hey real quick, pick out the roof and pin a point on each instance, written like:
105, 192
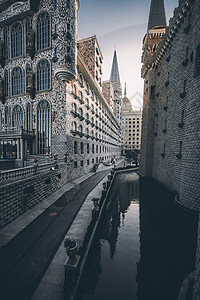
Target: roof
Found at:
157, 14
114, 77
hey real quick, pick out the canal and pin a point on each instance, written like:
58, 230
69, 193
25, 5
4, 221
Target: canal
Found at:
144, 247
112, 260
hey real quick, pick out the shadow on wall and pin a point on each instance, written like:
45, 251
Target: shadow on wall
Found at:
168, 243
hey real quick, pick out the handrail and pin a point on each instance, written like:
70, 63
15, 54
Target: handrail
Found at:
21, 172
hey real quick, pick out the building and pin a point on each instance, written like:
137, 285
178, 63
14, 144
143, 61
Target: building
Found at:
170, 133
131, 126
51, 89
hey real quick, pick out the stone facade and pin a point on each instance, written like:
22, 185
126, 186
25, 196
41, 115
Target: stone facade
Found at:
43, 77
170, 133
108, 92
20, 196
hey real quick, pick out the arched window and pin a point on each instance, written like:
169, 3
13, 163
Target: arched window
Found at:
74, 107
74, 126
74, 89
43, 31
92, 120
92, 133
17, 81
5, 43
80, 129
88, 148
87, 116
43, 75
80, 111
17, 117
43, 127
6, 122
6, 83
80, 95
28, 117
16, 40
82, 148
92, 148
75, 147
87, 131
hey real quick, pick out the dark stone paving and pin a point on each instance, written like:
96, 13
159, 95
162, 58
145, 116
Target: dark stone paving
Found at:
26, 257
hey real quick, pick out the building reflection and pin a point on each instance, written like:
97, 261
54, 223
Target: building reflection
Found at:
168, 244
125, 189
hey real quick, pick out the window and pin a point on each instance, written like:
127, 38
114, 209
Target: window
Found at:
88, 148
88, 162
68, 3
28, 28
16, 40
17, 81
43, 127
75, 164
82, 148
80, 129
43, 75
74, 127
82, 163
152, 95
75, 147
74, 107
92, 148
43, 31
97, 149
80, 112
17, 116
28, 117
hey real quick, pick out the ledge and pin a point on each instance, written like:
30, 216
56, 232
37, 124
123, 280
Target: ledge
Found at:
64, 74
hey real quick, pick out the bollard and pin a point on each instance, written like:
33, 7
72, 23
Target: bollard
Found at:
71, 265
95, 209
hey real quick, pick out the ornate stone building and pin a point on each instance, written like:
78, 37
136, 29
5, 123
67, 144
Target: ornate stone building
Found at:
131, 126
50, 91
170, 135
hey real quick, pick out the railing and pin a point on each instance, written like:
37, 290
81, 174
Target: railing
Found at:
16, 131
23, 172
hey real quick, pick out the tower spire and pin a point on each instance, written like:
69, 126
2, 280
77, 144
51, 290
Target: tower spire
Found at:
125, 90
157, 14
114, 77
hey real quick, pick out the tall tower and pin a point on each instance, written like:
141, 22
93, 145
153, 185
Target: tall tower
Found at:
155, 33
115, 81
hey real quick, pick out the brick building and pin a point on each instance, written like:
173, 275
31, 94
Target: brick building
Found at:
170, 134
131, 126
51, 89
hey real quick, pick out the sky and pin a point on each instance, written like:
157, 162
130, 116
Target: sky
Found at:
121, 25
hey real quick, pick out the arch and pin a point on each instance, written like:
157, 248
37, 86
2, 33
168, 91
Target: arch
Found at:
17, 81
43, 31
43, 75
43, 127
16, 40
17, 116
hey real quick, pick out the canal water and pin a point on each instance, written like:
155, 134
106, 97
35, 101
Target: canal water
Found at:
111, 268
144, 247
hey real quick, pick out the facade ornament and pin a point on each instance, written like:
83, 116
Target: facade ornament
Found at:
30, 48
31, 83
2, 59
2, 94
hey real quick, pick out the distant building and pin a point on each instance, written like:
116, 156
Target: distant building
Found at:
51, 90
131, 126
170, 146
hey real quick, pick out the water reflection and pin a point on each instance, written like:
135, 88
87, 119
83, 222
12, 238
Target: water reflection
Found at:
146, 258
168, 244
111, 268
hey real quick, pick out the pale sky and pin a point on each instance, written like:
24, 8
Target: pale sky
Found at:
122, 24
